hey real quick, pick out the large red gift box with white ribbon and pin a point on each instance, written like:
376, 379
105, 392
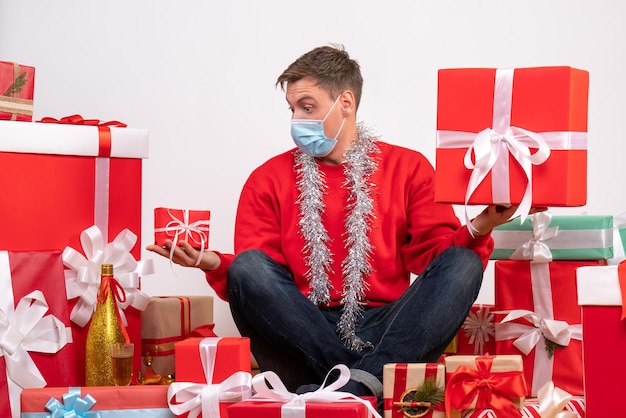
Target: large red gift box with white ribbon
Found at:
59, 179
602, 296
544, 322
524, 131
35, 339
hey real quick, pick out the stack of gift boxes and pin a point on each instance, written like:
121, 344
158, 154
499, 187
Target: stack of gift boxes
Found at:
518, 137
551, 341
72, 192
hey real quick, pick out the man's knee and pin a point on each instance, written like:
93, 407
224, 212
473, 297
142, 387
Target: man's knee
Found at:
254, 272
242, 268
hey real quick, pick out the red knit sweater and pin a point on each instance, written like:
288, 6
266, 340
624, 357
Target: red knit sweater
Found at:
409, 229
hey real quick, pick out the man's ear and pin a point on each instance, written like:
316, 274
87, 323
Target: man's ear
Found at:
348, 103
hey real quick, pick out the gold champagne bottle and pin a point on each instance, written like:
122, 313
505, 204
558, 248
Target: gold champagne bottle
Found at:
105, 329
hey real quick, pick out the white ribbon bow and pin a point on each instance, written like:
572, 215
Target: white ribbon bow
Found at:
491, 151
479, 327
535, 248
176, 227
197, 398
82, 280
295, 405
552, 400
527, 336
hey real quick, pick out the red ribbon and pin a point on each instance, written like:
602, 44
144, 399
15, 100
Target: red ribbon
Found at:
119, 295
104, 129
491, 390
621, 274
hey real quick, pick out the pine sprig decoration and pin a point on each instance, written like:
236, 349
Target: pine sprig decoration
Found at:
551, 347
17, 85
427, 392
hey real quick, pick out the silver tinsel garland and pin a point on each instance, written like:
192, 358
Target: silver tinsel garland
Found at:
359, 166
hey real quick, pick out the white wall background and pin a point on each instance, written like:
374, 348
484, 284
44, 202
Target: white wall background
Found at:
200, 74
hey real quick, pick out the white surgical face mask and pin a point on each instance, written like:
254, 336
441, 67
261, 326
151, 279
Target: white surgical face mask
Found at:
308, 134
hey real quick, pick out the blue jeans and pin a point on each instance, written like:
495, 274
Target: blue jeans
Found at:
298, 340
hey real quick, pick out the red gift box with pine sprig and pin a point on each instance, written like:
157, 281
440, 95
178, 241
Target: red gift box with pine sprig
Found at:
545, 326
17, 87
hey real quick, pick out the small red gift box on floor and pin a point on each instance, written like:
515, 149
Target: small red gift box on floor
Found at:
213, 357
36, 347
261, 409
168, 320
182, 225
545, 321
272, 400
602, 295
508, 136
222, 363
402, 380
149, 401
17, 87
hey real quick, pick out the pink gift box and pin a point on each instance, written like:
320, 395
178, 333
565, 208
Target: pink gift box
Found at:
601, 294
